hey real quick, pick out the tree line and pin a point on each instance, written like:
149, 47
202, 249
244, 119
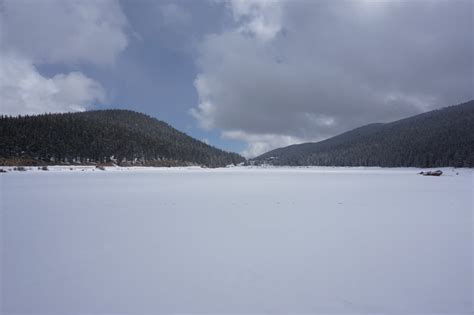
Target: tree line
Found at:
119, 136
438, 138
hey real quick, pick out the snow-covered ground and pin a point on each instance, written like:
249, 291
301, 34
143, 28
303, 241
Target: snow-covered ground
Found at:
236, 240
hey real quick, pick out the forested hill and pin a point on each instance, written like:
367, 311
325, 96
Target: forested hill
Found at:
121, 136
437, 138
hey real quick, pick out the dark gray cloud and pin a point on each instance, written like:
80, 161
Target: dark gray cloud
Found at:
304, 70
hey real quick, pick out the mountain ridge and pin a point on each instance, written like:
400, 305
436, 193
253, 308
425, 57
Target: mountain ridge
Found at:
442, 137
118, 136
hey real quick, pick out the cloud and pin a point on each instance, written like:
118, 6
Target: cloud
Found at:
24, 91
260, 143
66, 31
56, 32
261, 18
330, 66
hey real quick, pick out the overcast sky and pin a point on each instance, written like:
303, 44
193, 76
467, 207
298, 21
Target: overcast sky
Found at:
247, 75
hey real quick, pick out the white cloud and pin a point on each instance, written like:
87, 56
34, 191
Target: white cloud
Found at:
205, 113
56, 31
261, 143
66, 31
319, 68
24, 91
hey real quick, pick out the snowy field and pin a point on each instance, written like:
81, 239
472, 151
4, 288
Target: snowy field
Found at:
237, 240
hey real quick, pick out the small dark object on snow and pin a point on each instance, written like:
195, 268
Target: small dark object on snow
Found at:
2, 170
44, 168
432, 173
19, 168
100, 167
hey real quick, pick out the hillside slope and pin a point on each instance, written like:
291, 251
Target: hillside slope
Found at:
443, 137
123, 136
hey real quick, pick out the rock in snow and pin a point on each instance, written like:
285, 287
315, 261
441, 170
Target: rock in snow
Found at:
432, 173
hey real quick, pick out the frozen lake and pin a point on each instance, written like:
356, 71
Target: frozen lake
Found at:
320, 240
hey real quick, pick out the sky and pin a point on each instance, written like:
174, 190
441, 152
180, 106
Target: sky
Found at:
242, 75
